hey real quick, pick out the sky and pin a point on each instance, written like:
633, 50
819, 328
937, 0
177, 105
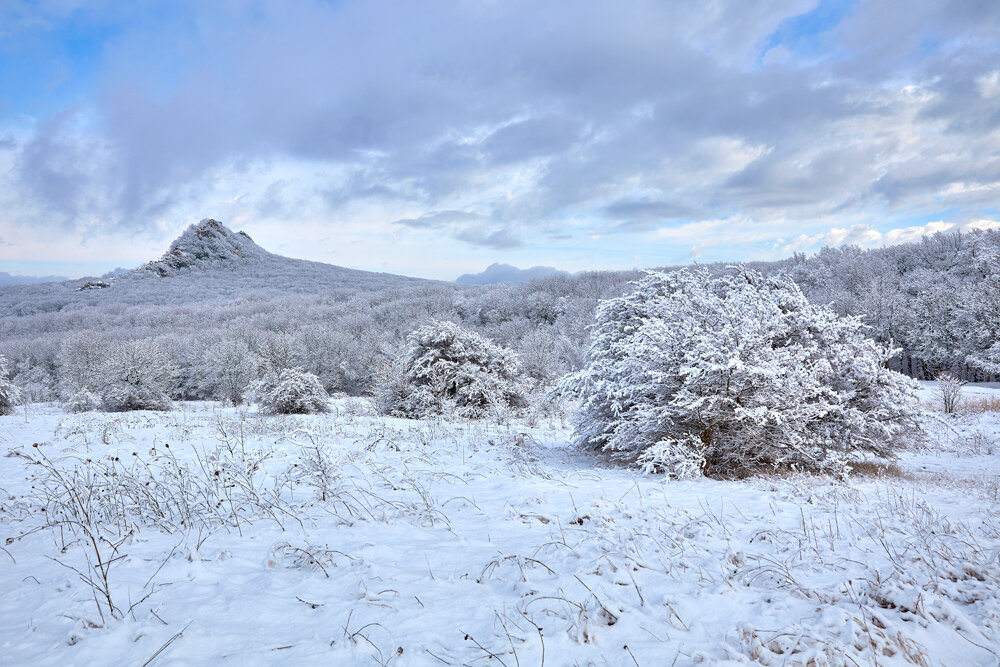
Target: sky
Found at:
435, 138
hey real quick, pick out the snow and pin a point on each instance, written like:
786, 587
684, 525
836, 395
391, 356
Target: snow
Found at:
446, 543
976, 390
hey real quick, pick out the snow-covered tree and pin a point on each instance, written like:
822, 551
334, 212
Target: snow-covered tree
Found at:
450, 369
83, 400
10, 395
546, 354
135, 375
948, 392
294, 392
79, 361
693, 374
229, 368
34, 381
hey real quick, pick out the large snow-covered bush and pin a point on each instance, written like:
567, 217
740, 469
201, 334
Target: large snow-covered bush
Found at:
692, 374
294, 392
448, 369
83, 400
9, 393
135, 375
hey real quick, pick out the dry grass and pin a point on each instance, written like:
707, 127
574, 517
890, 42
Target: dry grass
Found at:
878, 469
974, 405
977, 405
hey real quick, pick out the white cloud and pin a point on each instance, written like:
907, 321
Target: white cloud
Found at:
981, 223
989, 85
908, 234
541, 122
861, 235
865, 236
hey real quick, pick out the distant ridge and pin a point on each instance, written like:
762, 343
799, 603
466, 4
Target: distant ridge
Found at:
8, 279
497, 273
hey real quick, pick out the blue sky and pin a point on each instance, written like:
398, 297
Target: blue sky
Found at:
435, 138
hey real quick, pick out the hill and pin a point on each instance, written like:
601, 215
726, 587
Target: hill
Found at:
496, 274
214, 286
936, 299
8, 279
207, 261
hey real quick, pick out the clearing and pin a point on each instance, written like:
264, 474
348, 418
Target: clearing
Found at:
212, 535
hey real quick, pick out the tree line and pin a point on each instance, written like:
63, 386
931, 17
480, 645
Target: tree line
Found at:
937, 301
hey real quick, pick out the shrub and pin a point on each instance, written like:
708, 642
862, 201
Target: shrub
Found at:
692, 374
83, 400
948, 392
389, 386
295, 392
10, 395
448, 369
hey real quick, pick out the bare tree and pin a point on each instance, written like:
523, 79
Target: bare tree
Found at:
948, 392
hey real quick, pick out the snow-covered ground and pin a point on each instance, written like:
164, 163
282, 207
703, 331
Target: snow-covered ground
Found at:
352, 539
970, 392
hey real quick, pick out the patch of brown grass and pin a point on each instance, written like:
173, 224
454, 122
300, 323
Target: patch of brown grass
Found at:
975, 405
878, 469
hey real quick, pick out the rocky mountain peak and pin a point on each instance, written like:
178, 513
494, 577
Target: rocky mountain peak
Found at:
208, 243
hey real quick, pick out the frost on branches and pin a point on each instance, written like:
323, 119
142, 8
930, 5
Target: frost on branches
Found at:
295, 392
82, 400
135, 375
691, 374
448, 369
9, 393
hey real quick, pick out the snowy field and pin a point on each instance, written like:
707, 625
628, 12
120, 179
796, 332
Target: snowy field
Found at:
217, 536
971, 393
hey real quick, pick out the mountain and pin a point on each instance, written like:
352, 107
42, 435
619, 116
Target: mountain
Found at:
207, 267
216, 292
210, 259
505, 273
8, 279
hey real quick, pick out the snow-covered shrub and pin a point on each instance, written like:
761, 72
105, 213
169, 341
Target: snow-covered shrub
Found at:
294, 392
83, 400
135, 375
693, 374
948, 392
448, 369
10, 395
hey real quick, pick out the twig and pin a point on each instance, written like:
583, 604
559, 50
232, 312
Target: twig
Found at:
168, 643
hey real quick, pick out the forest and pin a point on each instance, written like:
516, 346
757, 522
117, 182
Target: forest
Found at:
217, 298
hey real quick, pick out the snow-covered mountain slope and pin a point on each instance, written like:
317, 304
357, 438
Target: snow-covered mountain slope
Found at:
206, 263
210, 251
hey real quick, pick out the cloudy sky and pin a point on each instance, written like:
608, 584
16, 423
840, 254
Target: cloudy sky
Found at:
434, 138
